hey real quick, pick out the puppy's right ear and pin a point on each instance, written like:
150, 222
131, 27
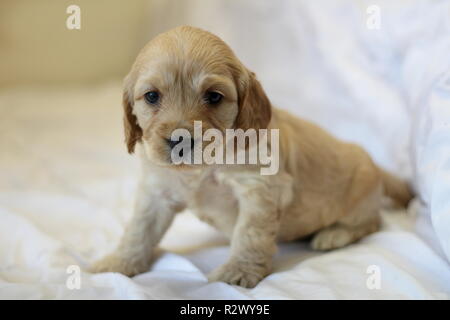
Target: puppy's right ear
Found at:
133, 132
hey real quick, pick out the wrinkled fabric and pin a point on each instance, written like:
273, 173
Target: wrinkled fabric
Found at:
67, 184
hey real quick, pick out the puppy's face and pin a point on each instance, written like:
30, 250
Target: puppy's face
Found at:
187, 75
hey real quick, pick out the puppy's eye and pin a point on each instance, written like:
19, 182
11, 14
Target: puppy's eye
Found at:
152, 97
213, 97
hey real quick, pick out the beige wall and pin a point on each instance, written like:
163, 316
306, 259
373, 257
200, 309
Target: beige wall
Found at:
36, 46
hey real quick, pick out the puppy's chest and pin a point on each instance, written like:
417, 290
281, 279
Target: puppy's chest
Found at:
211, 200
203, 186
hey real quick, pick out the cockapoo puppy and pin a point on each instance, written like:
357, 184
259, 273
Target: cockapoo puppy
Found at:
323, 187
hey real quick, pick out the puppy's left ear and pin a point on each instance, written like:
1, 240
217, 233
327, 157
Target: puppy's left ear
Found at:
133, 132
255, 110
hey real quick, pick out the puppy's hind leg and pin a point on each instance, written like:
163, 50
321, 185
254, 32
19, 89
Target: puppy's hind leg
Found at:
364, 219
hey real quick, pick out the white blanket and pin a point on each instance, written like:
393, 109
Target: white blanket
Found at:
67, 183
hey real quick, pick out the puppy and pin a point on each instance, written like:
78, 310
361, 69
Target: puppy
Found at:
324, 187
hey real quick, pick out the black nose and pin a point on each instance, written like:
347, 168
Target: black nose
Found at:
173, 143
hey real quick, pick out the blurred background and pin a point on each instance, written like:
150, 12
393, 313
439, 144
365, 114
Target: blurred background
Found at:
365, 70
38, 48
307, 55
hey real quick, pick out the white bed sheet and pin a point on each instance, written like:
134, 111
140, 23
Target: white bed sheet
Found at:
67, 183
66, 192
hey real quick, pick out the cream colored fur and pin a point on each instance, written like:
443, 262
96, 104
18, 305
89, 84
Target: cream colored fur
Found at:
325, 187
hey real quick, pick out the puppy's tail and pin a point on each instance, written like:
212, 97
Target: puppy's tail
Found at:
396, 189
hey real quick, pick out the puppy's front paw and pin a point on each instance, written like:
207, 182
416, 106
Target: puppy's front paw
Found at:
239, 274
116, 263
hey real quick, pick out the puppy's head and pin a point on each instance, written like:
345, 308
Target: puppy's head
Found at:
187, 75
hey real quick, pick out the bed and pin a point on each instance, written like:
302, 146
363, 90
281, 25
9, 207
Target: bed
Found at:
67, 184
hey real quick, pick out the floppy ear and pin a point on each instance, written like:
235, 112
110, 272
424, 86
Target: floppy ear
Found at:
133, 132
255, 109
